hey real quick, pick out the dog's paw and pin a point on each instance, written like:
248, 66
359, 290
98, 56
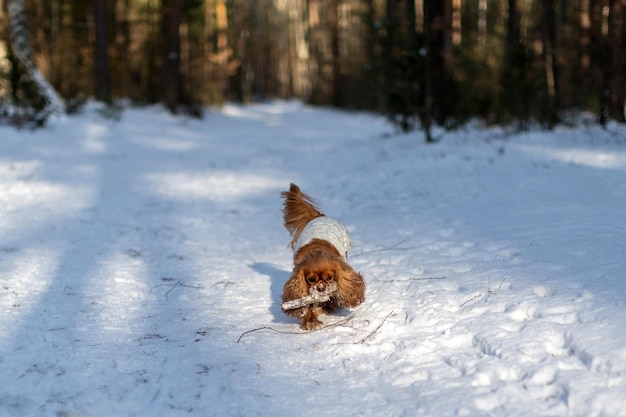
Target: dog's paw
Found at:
311, 324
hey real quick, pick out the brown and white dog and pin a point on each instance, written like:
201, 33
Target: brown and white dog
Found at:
320, 245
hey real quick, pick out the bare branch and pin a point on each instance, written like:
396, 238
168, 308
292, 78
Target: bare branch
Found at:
305, 301
258, 329
471, 299
313, 298
339, 323
177, 284
413, 279
375, 330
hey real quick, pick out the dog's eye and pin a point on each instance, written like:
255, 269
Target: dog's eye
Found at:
312, 279
329, 278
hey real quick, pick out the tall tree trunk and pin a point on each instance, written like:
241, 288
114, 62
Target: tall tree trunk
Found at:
513, 77
222, 51
584, 36
171, 79
122, 70
457, 29
336, 60
242, 78
4, 47
621, 62
47, 101
390, 42
482, 27
426, 115
613, 97
551, 63
55, 26
315, 53
299, 50
101, 62
513, 33
435, 24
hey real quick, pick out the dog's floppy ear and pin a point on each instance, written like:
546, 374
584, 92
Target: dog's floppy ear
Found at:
296, 286
350, 285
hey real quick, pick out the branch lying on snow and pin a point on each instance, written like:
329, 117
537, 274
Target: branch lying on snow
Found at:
339, 323
471, 299
258, 329
413, 279
489, 292
177, 284
375, 330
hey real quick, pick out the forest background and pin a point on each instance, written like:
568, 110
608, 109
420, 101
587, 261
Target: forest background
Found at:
422, 62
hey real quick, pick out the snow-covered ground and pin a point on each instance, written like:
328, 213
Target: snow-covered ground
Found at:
142, 262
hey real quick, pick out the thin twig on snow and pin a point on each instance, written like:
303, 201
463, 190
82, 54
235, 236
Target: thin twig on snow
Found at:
177, 284
375, 330
339, 323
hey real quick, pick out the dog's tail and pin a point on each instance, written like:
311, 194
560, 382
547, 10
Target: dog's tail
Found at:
298, 210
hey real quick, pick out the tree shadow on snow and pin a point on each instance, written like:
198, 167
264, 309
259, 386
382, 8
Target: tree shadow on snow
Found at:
278, 277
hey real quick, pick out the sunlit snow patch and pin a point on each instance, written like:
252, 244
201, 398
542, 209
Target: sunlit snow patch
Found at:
216, 186
585, 157
119, 290
23, 283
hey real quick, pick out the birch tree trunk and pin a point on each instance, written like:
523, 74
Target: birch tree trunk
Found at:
47, 102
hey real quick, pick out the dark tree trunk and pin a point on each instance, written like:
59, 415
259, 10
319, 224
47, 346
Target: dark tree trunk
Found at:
171, 79
370, 32
435, 74
612, 98
426, 115
513, 79
103, 81
551, 63
390, 42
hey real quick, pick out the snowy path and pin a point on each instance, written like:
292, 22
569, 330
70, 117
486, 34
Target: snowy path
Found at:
142, 262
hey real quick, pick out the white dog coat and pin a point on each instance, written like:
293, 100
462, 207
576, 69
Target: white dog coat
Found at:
327, 229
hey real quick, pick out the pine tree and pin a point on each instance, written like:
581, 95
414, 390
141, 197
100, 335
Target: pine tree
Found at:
41, 101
